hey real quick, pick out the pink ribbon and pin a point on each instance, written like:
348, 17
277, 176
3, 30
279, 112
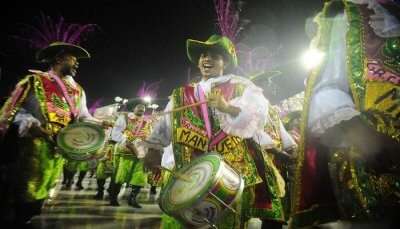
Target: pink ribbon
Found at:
71, 104
138, 127
216, 139
204, 111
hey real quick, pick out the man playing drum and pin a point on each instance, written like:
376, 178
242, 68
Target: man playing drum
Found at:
41, 105
235, 111
129, 130
104, 169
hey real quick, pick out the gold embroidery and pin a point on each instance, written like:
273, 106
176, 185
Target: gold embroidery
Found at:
192, 139
231, 145
63, 119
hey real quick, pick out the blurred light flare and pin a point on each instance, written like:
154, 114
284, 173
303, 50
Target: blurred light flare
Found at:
147, 99
312, 58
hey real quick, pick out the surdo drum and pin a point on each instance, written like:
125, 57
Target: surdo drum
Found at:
210, 189
81, 141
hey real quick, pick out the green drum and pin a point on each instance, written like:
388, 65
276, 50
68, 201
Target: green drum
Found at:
213, 187
81, 141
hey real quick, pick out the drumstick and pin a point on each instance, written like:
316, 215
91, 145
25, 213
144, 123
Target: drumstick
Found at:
181, 108
176, 174
222, 202
44, 130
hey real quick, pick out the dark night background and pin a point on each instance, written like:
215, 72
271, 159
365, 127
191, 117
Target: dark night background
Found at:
145, 40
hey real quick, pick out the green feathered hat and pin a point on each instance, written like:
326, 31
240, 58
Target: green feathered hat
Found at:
220, 44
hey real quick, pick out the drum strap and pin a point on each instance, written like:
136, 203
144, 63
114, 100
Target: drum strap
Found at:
138, 126
70, 102
216, 139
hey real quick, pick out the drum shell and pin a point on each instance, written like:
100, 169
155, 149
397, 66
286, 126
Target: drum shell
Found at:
227, 186
93, 152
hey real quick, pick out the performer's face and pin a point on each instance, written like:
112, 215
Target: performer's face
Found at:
68, 65
211, 64
139, 110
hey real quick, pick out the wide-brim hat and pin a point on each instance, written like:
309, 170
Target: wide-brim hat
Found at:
220, 44
48, 54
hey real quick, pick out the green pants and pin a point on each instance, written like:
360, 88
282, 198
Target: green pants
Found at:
129, 169
104, 169
139, 177
76, 166
39, 169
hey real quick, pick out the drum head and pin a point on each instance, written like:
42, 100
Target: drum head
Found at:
180, 194
79, 141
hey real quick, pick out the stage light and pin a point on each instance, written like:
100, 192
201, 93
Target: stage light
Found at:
312, 58
154, 106
147, 99
117, 99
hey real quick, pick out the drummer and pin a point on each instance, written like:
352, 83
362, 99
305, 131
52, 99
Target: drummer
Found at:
129, 130
104, 169
236, 109
41, 104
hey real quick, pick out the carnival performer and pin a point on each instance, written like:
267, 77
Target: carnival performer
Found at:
348, 161
129, 130
41, 104
69, 171
236, 111
279, 154
104, 168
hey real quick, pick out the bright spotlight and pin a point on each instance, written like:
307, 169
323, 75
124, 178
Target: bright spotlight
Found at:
147, 99
154, 106
312, 58
118, 99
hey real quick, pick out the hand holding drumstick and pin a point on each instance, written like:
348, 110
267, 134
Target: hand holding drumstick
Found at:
216, 100
152, 161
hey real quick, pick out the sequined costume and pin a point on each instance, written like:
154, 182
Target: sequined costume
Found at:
187, 132
37, 99
128, 168
359, 78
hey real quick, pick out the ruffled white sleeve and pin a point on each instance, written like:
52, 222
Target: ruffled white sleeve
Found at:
287, 140
84, 114
252, 117
117, 134
331, 102
168, 160
160, 137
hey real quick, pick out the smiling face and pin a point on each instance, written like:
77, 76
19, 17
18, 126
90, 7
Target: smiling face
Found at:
68, 64
211, 64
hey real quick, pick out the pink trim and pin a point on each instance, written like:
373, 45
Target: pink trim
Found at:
71, 104
216, 139
138, 127
204, 111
